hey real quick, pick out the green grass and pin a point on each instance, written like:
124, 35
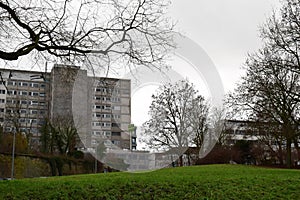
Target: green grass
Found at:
198, 182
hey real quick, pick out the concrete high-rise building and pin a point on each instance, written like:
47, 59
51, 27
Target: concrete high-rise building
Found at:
99, 107
24, 102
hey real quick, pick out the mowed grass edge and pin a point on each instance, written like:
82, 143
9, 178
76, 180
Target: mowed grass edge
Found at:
196, 182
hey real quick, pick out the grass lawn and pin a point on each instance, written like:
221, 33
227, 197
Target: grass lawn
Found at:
197, 182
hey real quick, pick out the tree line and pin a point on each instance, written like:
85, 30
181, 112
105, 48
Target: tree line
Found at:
139, 33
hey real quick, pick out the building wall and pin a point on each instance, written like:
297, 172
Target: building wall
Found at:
98, 107
24, 102
111, 112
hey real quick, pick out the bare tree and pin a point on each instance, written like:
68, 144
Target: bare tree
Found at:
281, 34
178, 118
198, 120
270, 91
269, 94
217, 123
135, 31
59, 136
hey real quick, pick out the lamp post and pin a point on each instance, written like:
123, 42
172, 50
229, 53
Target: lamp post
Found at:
14, 138
13, 156
96, 159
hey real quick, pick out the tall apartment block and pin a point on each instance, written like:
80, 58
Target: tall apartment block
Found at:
99, 107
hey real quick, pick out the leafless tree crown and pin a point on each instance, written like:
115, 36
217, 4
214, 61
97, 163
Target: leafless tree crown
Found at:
137, 31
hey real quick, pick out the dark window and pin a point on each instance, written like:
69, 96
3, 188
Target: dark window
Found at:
116, 134
115, 125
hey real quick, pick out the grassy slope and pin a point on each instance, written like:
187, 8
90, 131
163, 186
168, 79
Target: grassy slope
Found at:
198, 182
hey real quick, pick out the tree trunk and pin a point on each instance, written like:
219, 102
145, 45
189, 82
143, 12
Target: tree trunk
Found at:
297, 148
189, 159
289, 153
180, 161
280, 156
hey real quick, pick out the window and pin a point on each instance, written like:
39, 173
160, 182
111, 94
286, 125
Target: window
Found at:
34, 130
133, 140
103, 124
116, 116
2, 110
97, 107
41, 122
23, 130
34, 94
24, 84
24, 93
116, 142
34, 112
116, 99
99, 115
104, 90
116, 134
2, 91
107, 124
2, 82
117, 107
96, 124
2, 100
23, 102
22, 111
35, 85
107, 133
11, 83
96, 133
115, 125
33, 121
11, 92
34, 103
42, 112
94, 142
22, 120
43, 85
97, 98
116, 91
42, 103
42, 94
106, 107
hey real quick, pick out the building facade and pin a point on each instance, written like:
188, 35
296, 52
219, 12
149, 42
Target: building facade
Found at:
100, 108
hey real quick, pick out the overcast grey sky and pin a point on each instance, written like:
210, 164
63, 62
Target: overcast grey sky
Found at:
226, 29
